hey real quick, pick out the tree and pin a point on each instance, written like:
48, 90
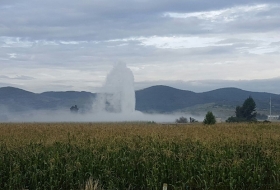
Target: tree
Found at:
238, 112
74, 109
249, 109
182, 120
209, 119
193, 120
247, 112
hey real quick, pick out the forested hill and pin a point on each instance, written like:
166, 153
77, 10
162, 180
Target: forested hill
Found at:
167, 99
153, 99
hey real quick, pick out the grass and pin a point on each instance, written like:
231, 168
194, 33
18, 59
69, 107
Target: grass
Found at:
139, 156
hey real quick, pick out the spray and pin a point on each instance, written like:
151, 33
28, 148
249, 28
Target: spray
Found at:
117, 94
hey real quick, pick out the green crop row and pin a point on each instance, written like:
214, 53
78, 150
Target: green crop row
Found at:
141, 162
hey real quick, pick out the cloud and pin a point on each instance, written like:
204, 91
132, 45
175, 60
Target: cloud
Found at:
21, 77
69, 45
100, 20
223, 15
263, 85
172, 42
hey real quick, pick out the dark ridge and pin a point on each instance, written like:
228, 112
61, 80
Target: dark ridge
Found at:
160, 99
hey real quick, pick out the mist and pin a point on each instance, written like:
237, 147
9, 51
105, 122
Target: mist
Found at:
67, 116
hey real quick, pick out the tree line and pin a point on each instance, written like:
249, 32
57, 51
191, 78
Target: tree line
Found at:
245, 113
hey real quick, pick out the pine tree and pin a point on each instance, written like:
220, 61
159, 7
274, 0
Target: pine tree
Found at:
209, 119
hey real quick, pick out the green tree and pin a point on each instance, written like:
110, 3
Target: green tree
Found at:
209, 119
239, 112
249, 109
246, 112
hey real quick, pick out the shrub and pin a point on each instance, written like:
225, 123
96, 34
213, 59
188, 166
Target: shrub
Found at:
193, 120
235, 119
182, 120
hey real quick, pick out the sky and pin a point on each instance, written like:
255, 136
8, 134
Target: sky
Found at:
197, 45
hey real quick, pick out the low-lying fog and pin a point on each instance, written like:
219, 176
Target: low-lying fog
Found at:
67, 116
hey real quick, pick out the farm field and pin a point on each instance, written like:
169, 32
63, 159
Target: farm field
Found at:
139, 156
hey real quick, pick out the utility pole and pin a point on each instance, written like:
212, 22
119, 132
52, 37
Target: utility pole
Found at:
270, 106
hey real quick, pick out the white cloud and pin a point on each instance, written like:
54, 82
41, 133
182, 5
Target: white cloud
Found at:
173, 42
10, 42
222, 15
180, 42
12, 55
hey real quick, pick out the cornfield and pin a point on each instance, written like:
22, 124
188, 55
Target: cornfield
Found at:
139, 156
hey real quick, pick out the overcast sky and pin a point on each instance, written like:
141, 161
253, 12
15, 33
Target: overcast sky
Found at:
199, 45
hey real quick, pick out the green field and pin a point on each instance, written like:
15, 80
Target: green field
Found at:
139, 156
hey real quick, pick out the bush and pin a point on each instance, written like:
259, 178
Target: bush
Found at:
235, 119
182, 120
209, 119
193, 120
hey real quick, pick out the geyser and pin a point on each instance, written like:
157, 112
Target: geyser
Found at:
118, 94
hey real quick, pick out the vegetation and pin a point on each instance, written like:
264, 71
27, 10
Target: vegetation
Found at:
185, 120
74, 109
209, 119
193, 120
247, 112
139, 156
182, 120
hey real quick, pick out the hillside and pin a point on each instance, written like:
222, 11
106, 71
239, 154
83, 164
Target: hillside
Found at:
167, 99
70, 98
14, 99
18, 100
160, 99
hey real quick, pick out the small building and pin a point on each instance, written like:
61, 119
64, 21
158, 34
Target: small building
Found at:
219, 120
272, 117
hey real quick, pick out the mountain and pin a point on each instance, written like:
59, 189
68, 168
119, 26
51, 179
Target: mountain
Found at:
167, 99
70, 98
17, 100
162, 99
